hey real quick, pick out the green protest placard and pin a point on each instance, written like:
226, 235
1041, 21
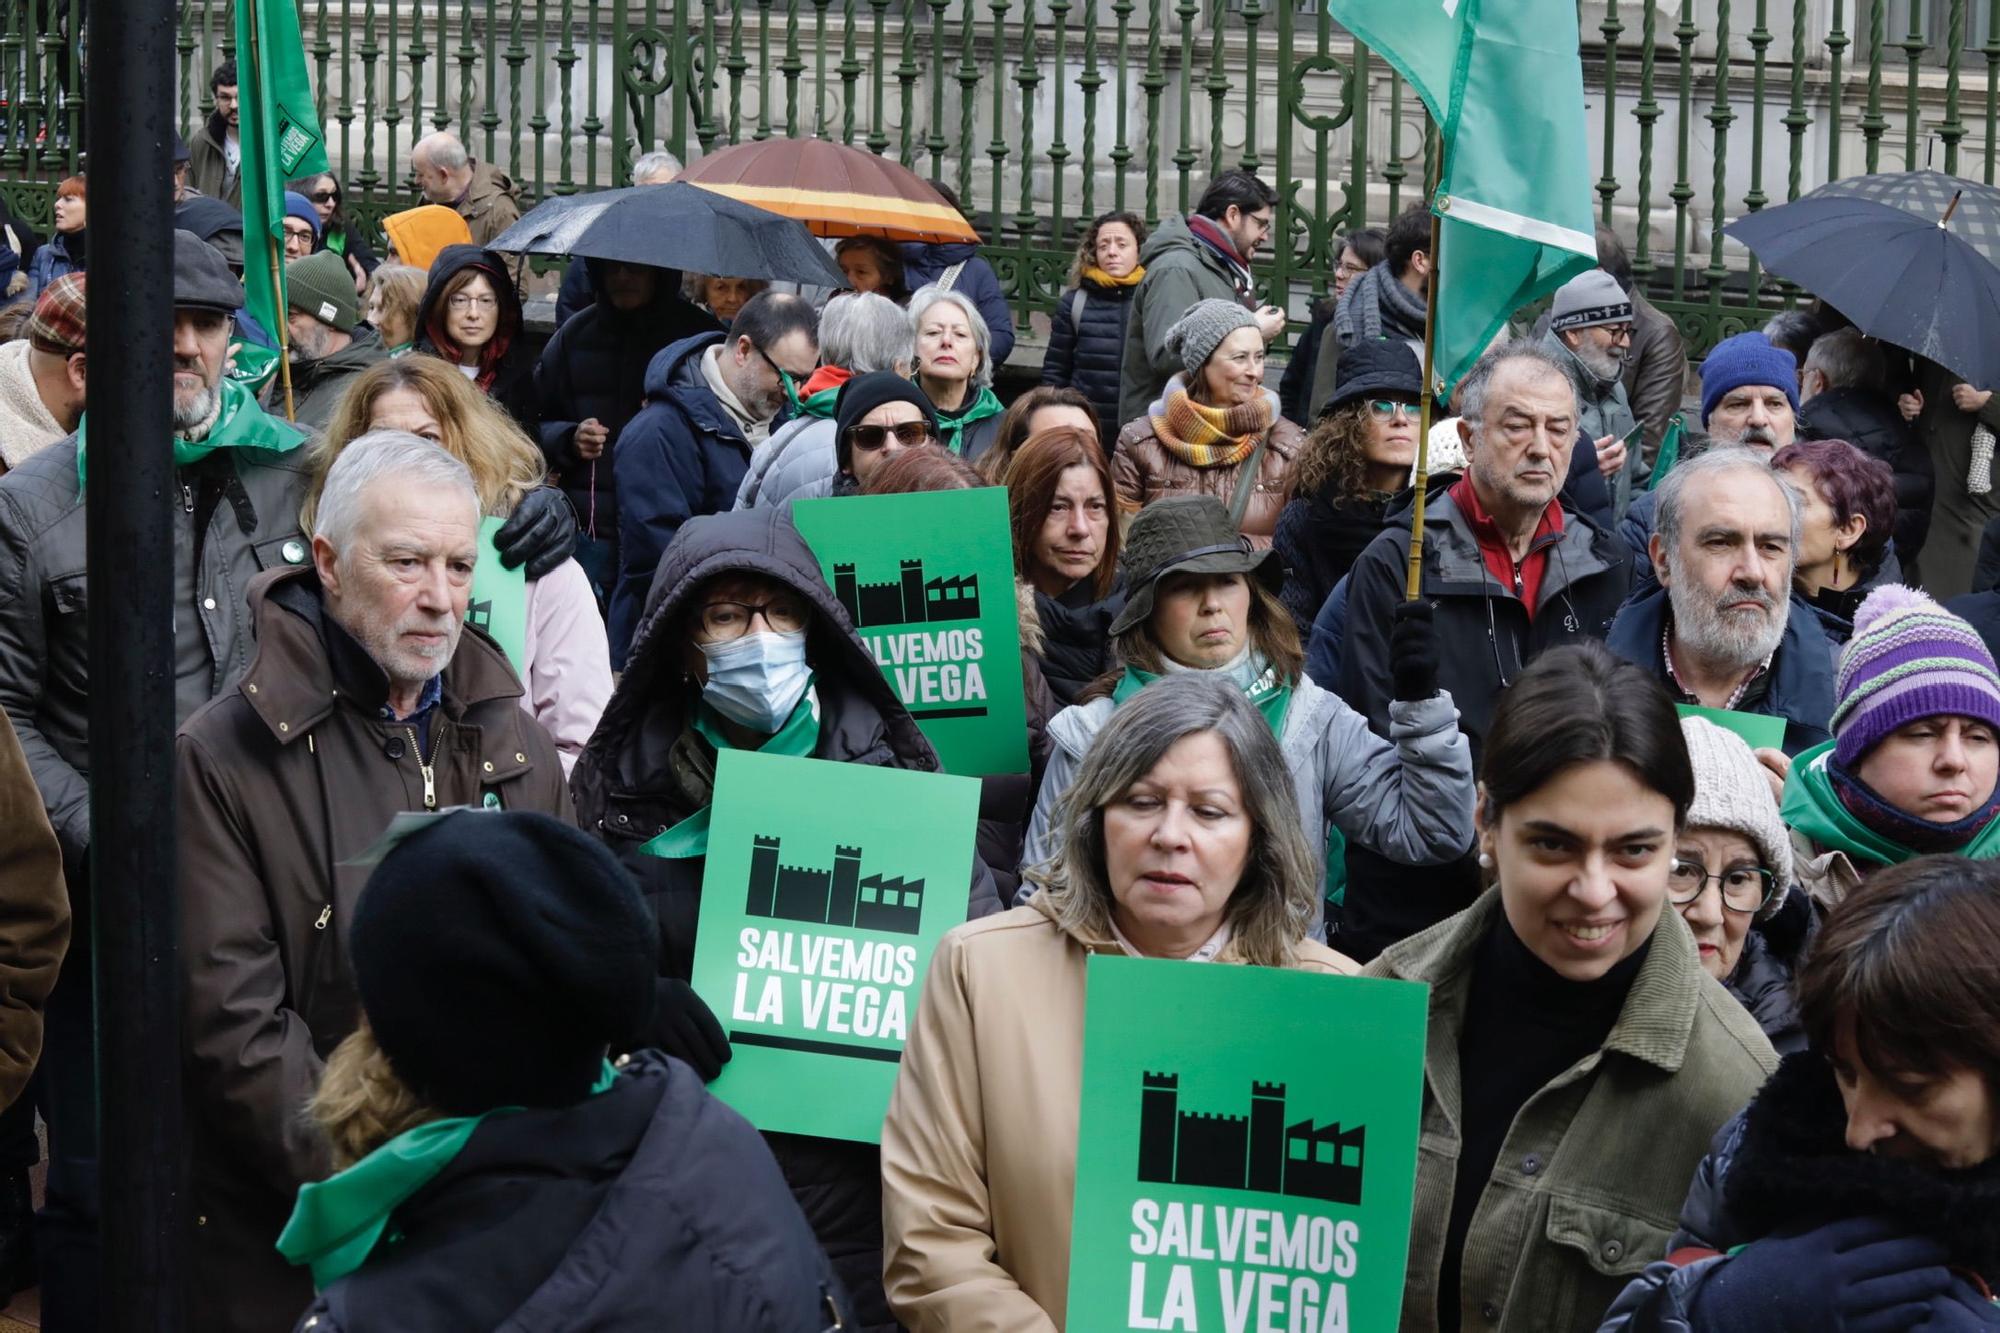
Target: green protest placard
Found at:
499, 603
1760, 731
827, 889
928, 581
1250, 1163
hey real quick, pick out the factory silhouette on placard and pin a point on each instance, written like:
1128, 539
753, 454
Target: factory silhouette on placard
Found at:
910, 600
842, 896
1254, 1152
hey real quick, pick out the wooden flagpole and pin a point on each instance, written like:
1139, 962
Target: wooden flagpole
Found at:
1414, 579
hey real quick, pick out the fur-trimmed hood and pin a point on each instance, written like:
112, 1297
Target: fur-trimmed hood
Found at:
1793, 1169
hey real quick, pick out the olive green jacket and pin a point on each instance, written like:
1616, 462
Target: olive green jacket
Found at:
1589, 1182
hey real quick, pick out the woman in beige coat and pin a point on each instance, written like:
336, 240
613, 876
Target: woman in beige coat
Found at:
1182, 840
1215, 430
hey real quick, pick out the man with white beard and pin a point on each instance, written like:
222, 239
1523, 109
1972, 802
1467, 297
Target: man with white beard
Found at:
1722, 630
1590, 336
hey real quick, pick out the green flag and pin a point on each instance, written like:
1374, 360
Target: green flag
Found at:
1504, 83
1670, 452
281, 141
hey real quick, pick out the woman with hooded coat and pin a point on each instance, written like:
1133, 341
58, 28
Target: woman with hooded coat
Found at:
1860, 1191
742, 646
471, 317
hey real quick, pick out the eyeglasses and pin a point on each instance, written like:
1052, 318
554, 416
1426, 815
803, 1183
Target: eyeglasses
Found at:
1382, 409
462, 303
723, 621
1618, 333
909, 434
1744, 888
325, 196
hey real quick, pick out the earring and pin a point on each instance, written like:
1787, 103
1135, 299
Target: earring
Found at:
1485, 861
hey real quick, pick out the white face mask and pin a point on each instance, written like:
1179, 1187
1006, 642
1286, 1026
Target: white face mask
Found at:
757, 680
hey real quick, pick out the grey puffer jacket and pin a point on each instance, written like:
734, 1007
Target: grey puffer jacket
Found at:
798, 456
239, 510
1410, 797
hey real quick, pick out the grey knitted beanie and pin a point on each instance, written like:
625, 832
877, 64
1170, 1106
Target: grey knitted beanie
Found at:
1198, 332
1732, 792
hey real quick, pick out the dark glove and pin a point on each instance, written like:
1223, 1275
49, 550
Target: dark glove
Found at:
685, 1027
1857, 1275
1413, 650
1962, 1309
540, 533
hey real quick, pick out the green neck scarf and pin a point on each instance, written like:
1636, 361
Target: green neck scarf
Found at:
821, 404
240, 424
1813, 808
1262, 686
951, 429
798, 738
338, 1222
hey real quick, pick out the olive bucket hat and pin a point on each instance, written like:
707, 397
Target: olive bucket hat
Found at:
1186, 534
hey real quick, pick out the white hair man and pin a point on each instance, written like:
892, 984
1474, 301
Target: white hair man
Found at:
367, 697
1722, 630
477, 191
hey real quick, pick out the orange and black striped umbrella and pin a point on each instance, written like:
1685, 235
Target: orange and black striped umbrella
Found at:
833, 189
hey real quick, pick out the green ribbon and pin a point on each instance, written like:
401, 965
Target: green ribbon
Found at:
337, 1223
1271, 697
798, 738
951, 430
241, 424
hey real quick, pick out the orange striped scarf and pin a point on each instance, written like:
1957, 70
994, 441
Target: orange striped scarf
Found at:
1203, 436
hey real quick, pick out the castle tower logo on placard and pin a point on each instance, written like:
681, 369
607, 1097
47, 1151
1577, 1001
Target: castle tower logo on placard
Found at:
1258, 1151
841, 896
910, 600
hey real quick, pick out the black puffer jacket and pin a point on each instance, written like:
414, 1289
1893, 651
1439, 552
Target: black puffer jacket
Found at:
1319, 540
1086, 353
1076, 637
595, 366
1870, 422
646, 769
512, 385
1783, 1166
650, 1197
1772, 953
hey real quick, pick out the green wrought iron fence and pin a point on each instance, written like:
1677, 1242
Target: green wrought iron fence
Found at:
1041, 113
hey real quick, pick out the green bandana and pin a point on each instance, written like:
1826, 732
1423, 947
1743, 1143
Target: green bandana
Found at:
241, 424
1271, 698
1813, 808
821, 404
951, 429
798, 738
337, 1223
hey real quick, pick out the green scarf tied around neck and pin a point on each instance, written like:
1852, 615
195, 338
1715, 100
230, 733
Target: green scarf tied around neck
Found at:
797, 739
338, 1222
951, 429
239, 424
1258, 681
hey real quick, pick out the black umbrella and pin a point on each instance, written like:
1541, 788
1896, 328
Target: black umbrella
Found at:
674, 226
1905, 279
1929, 195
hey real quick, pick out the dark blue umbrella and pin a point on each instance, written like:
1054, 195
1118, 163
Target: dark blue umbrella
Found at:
1908, 280
674, 226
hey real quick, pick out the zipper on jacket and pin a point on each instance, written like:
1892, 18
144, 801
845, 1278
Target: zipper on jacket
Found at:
430, 774
187, 497
325, 915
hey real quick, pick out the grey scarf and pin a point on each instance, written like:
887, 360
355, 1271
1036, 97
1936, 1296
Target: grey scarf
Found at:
1377, 305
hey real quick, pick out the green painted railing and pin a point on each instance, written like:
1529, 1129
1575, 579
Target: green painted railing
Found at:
1076, 106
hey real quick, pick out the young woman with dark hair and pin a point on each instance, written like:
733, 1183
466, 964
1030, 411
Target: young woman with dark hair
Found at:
1861, 1189
1087, 331
1579, 1059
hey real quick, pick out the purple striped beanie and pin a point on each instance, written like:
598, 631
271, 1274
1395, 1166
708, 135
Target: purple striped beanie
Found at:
1909, 659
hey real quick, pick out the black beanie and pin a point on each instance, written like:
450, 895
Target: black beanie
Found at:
497, 955
862, 395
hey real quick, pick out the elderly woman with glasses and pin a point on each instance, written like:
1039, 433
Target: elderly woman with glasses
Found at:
743, 647
1730, 880
1349, 472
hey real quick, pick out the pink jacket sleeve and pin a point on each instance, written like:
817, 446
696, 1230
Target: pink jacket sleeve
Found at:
568, 675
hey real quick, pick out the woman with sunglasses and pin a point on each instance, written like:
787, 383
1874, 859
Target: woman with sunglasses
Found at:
335, 234
1349, 472
1731, 882
743, 647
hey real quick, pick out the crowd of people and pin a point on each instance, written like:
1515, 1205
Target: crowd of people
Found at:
1673, 784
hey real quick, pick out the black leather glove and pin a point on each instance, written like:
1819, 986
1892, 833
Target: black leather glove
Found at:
1413, 650
686, 1028
540, 533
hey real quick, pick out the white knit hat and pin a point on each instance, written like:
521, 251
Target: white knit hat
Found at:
1732, 791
